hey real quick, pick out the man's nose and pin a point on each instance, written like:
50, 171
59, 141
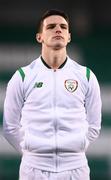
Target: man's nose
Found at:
58, 31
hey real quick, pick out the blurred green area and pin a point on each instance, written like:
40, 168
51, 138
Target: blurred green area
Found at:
9, 167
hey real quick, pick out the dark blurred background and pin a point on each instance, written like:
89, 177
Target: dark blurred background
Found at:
90, 46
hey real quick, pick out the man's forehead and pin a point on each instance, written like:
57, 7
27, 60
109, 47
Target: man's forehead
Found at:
54, 19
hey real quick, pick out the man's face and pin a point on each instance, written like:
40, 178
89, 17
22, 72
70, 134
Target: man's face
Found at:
55, 32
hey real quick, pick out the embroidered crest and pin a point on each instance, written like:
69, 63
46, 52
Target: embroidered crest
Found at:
71, 85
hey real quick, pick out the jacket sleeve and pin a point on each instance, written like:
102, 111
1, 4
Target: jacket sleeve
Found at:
13, 104
93, 106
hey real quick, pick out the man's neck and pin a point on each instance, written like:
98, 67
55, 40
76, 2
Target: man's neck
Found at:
54, 58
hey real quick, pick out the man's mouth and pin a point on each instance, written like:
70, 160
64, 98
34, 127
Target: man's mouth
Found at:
58, 37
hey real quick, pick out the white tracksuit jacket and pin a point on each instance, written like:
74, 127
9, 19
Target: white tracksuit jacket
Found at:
52, 116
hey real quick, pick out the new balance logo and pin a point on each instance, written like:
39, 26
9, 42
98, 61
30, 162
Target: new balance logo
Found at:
38, 84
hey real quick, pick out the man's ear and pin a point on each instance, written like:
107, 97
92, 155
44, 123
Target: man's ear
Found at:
38, 37
69, 39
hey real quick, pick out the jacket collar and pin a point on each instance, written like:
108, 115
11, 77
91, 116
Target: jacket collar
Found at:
61, 66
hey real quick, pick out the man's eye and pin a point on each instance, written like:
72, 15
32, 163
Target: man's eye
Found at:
50, 27
64, 27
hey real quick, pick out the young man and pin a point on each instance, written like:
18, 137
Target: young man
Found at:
52, 109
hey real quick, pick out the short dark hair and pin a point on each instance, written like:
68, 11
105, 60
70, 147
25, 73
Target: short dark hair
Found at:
50, 13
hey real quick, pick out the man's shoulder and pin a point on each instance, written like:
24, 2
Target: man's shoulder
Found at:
77, 64
30, 66
27, 70
81, 69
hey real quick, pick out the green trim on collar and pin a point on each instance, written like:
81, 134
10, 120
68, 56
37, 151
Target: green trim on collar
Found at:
22, 73
87, 73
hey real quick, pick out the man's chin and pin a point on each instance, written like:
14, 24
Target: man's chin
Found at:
58, 46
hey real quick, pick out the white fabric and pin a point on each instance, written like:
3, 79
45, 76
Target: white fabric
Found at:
52, 116
29, 173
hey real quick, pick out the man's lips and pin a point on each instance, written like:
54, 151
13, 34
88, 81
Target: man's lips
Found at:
58, 37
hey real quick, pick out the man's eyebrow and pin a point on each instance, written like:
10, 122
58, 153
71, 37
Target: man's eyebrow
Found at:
53, 24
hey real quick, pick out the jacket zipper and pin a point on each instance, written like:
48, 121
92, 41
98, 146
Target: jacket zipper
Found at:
55, 118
